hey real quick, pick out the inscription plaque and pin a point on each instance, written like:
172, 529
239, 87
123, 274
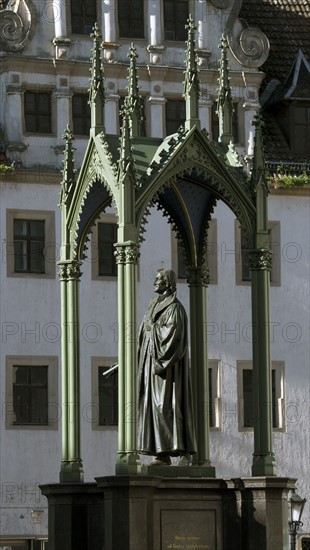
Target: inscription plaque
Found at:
188, 530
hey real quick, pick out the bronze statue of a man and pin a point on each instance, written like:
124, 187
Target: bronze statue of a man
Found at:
165, 412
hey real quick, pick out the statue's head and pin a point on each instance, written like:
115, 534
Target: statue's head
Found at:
169, 278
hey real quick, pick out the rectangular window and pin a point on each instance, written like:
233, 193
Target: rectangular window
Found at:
104, 415
83, 16
179, 260
304, 542
300, 132
246, 399
176, 14
31, 392
131, 18
29, 246
38, 112
175, 115
243, 272
107, 236
80, 114
108, 398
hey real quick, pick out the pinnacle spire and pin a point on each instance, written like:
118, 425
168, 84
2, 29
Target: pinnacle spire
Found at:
191, 83
68, 171
224, 101
96, 90
133, 100
259, 169
125, 160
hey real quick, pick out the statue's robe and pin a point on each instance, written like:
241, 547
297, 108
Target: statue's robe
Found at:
165, 409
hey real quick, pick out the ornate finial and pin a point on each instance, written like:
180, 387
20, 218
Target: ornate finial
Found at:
68, 171
96, 90
191, 83
224, 102
259, 169
133, 101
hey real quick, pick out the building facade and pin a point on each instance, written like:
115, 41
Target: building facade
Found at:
45, 66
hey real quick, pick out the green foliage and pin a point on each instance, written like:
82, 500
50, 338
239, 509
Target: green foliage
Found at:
6, 169
282, 179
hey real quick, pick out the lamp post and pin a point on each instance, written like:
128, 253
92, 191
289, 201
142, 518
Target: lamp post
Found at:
296, 509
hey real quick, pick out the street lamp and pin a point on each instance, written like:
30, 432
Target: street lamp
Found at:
296, 509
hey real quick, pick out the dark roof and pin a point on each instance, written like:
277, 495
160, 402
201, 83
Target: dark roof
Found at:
286, 23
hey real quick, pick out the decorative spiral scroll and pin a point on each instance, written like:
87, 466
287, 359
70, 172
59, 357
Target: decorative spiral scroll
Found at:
16, 27
251, 48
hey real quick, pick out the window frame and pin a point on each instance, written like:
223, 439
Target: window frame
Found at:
52, 390
293, 108
190, 6
144, 27
48, 217
97, 18
97, 362
212, 255
175, 100
104, 218
84, 118
39, 91
274, 228
28, 239
279, 368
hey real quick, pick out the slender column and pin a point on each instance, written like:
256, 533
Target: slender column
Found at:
60, 18
131, 252
112, 113
250, 111
127, 254
63, 96
71, 466
205, 106
154, 25
157, 108
197, 282
263, 457
120, 260
13, 112
108, 20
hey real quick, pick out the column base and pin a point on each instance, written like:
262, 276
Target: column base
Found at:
128, 464
264, 465
71, 472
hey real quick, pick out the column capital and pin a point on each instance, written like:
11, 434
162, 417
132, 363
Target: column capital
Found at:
198, 276
126, 253
70, 270
260, 259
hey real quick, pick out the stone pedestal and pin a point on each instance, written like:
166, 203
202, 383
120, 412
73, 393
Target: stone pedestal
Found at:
141, 512
75, 516
149, 513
